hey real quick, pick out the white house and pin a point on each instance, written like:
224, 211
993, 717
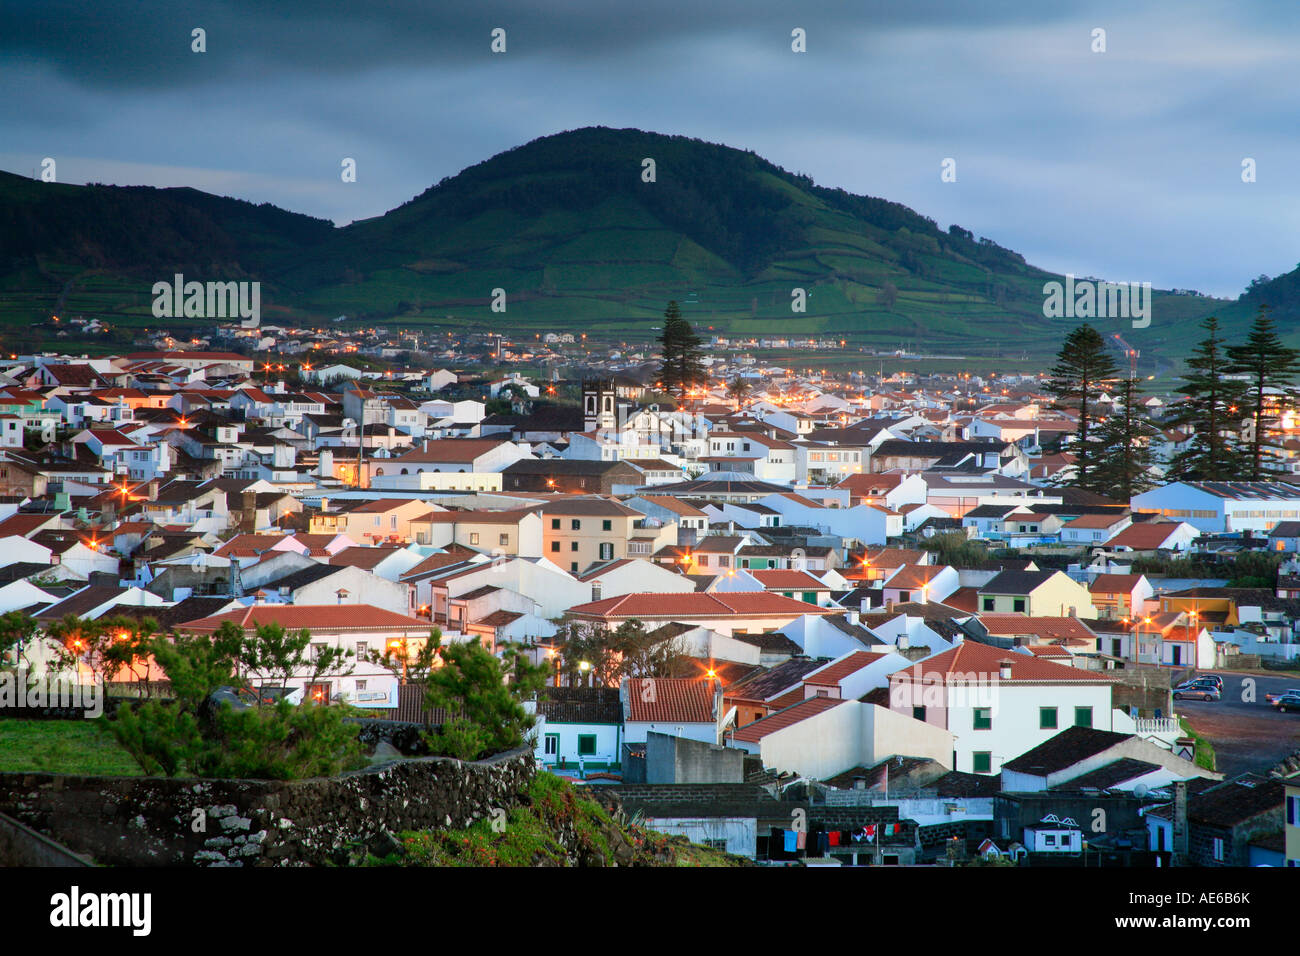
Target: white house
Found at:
999, 704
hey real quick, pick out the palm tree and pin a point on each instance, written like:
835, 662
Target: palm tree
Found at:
737, 389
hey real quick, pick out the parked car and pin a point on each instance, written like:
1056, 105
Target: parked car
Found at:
1198, 684
1203, 692
1288, 703
1289, 692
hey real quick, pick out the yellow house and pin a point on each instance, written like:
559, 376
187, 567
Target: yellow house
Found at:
579, 532
1036, 593
508, 533
1205, 605
370, 522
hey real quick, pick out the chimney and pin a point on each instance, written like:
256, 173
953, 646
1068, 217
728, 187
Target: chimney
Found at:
1004, 670
853, 618
902, 643
151, 490
859, 783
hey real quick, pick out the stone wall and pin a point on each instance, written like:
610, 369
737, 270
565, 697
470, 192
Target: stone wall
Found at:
156, 821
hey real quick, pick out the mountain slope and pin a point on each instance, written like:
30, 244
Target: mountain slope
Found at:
569, 229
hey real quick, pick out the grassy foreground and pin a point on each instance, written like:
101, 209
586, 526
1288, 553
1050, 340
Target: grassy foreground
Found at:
558, 826
62, 746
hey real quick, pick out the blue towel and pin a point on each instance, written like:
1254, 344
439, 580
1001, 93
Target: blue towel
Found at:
791, 841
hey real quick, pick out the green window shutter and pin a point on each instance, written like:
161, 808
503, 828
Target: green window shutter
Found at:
1047, 718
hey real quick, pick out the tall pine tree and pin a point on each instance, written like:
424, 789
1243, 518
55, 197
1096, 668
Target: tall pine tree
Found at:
1213, 412
1083, 370
1271, 368
1126, 435
680, 368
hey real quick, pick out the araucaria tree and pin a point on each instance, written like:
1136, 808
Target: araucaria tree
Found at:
1126, 470
680, 368
1083, 370
1270, 368
1212, 410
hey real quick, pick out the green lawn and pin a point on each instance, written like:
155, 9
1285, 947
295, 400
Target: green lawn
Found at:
62, 746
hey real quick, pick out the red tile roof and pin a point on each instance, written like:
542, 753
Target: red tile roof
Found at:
1046, 628
973, 661
837, 670
313, 617
1114, 583
698, 604
753, 733
780, 579
670, 699
1144, 536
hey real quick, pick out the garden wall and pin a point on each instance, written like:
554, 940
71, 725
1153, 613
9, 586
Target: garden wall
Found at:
156, 821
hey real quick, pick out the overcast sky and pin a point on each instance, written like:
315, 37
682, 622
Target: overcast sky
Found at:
1125, 164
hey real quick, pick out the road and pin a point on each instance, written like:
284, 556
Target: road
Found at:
1246, 731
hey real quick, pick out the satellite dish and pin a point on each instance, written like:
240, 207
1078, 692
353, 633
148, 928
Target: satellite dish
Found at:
1141, 790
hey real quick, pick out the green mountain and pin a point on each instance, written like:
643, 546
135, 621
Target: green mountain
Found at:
579, 241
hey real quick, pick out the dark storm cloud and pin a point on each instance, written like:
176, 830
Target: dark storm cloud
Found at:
147, 44
1124, 164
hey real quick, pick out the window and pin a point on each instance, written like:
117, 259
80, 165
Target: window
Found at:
606, 551
918, 713
555, 546
317, 650
552, 745
1018, 605
363, 649
904, 595
983, 718
573, 546
361, 685
555, 524
724, 560
586, 745
1049, 839
575, 525
1218, 849
982, 762
503, 540
1046, 718
1083, 716
988, 604
573, 567
607, 526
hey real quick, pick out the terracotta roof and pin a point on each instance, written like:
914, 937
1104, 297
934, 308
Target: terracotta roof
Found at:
834, 672
1144, 536
913, 577
1114, 583
313, 617
1045, 628
786, 580
974, 661
697, 604
753, 733
364, 558
670, 699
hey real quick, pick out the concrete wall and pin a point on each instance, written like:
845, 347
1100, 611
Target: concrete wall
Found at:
680, 760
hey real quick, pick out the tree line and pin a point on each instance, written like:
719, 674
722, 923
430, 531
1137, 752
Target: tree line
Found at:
1231, 417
